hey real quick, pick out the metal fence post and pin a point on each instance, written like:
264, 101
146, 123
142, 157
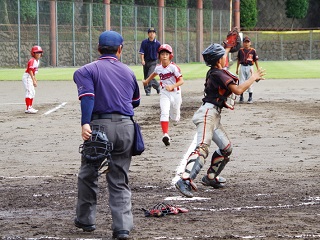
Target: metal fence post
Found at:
73, 35
150, 14
135, 34
311, 42
211, 27
19, 35
220, 25
281, 46
38, 23
175, 33
188, 35
90, 30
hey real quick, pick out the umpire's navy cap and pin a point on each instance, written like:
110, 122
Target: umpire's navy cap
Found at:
246, 39
152, 30
110, 38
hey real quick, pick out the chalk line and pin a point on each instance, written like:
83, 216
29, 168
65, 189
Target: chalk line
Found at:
55, 109
183, 161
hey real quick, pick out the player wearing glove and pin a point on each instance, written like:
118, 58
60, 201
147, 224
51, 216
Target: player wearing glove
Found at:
220, 85
232, 41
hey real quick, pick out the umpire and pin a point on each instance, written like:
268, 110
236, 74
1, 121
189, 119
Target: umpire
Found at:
149, 56
108, 91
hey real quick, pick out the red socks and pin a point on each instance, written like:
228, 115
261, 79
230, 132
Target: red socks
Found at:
29, 102
165, 127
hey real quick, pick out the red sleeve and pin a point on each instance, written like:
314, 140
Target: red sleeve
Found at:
30, 66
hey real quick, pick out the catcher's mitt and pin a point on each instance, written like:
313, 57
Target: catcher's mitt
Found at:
97, 148
162, 209
233, 40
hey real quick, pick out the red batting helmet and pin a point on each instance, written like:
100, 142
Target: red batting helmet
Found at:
167, 48
36, 49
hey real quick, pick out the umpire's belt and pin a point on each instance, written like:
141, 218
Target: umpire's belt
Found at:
114, 116
246, 64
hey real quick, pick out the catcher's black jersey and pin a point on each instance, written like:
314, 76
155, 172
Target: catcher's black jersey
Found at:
216, 89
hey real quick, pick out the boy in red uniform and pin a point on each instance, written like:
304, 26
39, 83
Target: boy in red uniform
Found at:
170, 91
29, 78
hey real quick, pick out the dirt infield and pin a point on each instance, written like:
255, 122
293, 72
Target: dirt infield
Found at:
273, 178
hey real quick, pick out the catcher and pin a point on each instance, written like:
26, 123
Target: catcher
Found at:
219, 92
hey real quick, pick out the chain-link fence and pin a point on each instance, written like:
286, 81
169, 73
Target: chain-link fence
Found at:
79, 24
286, 45
75, 26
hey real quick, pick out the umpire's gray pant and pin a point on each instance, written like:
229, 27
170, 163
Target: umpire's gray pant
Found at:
121, 134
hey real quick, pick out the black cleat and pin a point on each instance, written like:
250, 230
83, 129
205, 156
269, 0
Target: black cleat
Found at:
121, 235
166, 139
85, 228
217, 182
184, 187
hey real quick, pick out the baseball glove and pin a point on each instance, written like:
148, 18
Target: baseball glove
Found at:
97, 148
233, 40
163, 209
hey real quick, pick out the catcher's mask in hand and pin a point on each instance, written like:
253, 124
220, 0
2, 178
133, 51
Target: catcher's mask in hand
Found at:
98, 147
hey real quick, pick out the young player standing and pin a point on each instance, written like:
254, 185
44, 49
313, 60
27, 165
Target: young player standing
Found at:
29, 78
247, 56
170, 90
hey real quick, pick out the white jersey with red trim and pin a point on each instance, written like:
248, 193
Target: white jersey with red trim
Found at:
168, 75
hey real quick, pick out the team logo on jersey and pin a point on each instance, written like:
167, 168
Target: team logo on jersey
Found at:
165, 76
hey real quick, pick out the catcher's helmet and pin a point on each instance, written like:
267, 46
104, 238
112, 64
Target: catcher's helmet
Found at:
36, 49
213, 53
167, 48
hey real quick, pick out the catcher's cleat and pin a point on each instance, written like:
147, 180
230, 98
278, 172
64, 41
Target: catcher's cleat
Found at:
184, 187
85, 228
120, 235
166, 139
217, 182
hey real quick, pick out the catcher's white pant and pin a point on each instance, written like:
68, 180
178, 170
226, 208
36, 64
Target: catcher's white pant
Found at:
245, 74
28, 86
209, 128
170, 103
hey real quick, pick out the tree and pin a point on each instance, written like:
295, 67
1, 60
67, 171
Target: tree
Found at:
248, 14
296, 9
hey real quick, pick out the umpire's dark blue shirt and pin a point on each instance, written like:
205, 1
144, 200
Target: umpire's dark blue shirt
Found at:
111, 83
150, 49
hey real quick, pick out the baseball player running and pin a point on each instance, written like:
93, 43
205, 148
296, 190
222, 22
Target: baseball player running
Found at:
29, 78
170, 90
220, 85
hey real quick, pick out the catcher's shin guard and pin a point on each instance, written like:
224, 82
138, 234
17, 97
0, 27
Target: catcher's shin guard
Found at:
195, 162
219, 160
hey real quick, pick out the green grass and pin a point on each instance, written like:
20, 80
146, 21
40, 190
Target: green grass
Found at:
275, 70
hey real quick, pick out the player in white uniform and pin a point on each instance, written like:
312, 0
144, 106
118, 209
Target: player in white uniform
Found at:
29, 78
170, 90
